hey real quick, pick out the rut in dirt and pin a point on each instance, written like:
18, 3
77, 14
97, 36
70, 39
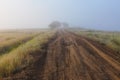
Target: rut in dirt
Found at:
72, 57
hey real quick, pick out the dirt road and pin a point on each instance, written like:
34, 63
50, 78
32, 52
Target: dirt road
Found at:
72, 57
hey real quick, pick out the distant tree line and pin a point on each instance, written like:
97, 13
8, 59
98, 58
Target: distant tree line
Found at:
57, 24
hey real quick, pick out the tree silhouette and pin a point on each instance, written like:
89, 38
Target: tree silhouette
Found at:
55, 24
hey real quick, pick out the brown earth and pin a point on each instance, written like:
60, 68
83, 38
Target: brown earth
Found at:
71, 57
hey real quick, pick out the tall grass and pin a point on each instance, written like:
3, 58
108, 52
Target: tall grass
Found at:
110, 39
10, 44
20, 58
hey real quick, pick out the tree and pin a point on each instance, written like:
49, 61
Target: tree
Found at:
65, 25
55, 24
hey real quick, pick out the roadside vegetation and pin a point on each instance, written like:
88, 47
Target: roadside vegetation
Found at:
110, 39
12, 41
19, 57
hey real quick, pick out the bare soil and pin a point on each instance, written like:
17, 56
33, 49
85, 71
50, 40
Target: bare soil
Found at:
71, 57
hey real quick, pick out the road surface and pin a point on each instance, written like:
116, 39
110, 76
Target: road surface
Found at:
71, 57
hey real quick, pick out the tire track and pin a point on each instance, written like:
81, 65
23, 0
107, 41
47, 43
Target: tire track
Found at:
72, 57
77, 59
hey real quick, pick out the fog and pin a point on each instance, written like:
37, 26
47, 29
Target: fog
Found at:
93, 14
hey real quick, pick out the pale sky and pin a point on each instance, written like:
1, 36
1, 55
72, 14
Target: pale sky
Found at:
93, 14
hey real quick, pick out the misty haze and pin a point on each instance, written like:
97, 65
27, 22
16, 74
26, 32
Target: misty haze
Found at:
59, 40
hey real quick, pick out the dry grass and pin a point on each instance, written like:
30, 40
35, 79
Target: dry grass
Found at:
13, 40
110, 39
19, 57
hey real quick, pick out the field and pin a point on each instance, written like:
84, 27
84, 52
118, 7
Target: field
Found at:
110, 39
16, 47
63, 54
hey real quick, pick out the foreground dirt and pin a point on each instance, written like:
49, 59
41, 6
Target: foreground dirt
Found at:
72, 57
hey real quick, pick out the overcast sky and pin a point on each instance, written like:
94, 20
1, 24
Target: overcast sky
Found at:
93, 14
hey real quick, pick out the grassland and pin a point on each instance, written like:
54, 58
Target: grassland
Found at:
16, 47
12, 40
110, 39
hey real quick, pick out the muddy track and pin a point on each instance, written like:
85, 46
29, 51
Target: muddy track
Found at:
72, 57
